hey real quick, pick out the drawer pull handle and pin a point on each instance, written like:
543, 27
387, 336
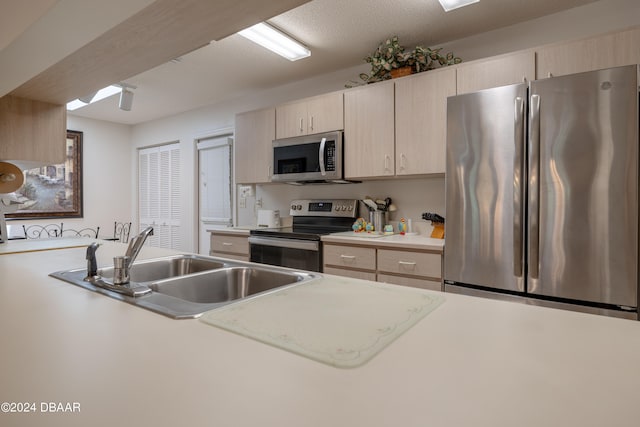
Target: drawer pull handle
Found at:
227, 244
348, 257
407, 264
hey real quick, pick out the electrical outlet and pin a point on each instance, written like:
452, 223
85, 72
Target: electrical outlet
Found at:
242, 203
246, 191
259, 203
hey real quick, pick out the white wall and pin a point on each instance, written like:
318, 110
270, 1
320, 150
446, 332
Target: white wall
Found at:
107, 178
412, 196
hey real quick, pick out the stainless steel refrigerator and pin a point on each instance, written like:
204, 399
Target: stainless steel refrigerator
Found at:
542, 192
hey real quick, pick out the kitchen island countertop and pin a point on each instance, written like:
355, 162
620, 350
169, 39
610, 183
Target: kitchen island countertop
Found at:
472, 362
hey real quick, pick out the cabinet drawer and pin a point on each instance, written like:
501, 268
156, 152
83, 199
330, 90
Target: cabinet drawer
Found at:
421, 264
229, 244
432, 285
354, 274
350, 257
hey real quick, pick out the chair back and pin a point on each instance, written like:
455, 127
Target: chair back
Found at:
42, 231
85, 232
121, 231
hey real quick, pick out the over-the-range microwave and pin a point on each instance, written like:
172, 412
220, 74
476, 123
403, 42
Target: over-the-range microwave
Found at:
309, 159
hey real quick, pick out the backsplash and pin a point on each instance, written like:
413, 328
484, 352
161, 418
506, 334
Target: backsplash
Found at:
412, 197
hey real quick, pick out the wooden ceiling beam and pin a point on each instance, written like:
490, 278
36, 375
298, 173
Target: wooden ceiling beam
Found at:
158, 33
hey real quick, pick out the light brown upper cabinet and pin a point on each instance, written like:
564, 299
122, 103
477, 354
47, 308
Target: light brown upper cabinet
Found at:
594, 53
369, 131
421, 121
497, 71
32, 131
255, 131
318, 114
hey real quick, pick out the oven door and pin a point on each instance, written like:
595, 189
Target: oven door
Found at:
292, 253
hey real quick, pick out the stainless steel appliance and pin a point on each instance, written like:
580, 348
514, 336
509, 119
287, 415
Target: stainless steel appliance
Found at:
309, 159
299, 246
542, 192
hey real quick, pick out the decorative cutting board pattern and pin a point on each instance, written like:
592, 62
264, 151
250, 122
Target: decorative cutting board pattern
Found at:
342, 322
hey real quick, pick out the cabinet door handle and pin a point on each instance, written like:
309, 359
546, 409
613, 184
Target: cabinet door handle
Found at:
227, 244
386, 162
403, 160
301, 129
311, 123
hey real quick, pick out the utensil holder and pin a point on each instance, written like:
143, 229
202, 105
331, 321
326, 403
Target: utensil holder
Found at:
379, 219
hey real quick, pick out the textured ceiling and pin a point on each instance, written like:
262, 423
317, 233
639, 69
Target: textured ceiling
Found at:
340, 33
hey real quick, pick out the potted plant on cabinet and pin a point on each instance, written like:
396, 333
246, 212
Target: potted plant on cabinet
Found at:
390, 60
389, 56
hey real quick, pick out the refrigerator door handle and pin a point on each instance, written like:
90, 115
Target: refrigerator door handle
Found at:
517, 185
534, 187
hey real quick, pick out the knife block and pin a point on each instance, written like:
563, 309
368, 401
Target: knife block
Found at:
438, 230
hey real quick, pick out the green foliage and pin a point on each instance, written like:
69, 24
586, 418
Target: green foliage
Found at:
390, 55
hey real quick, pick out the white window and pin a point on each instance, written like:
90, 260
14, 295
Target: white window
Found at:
159, 194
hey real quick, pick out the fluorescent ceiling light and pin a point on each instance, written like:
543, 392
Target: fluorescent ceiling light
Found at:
101, 94
270, 38
449, 5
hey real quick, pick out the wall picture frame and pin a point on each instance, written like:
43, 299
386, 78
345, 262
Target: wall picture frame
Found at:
53, 191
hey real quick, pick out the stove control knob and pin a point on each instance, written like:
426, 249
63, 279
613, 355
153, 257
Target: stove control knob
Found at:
293, 207
299, 207
343, 208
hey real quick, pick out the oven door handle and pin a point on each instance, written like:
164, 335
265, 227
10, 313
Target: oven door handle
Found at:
305, 245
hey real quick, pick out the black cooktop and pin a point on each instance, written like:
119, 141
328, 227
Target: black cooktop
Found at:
307, 228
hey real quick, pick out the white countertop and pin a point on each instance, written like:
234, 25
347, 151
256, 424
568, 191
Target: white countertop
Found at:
413, 241
407, 241
34, 245
471, 362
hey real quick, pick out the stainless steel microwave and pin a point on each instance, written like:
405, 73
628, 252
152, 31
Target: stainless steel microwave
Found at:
308, 159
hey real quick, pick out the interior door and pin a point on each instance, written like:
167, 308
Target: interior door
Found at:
584, 214
215, 188
159, 195
484, 188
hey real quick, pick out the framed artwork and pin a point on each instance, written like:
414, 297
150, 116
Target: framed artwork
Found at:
53, 191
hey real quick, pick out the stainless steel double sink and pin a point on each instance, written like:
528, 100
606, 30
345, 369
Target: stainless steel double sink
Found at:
185, 286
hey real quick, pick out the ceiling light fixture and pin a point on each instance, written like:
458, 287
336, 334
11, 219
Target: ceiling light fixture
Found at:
86, 100
270, 38
124, 89
126, 97
449, 5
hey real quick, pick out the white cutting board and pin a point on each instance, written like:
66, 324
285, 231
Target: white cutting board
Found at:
342, 322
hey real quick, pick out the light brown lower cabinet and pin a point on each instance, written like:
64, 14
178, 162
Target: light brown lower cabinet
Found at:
415, 268
229, 245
